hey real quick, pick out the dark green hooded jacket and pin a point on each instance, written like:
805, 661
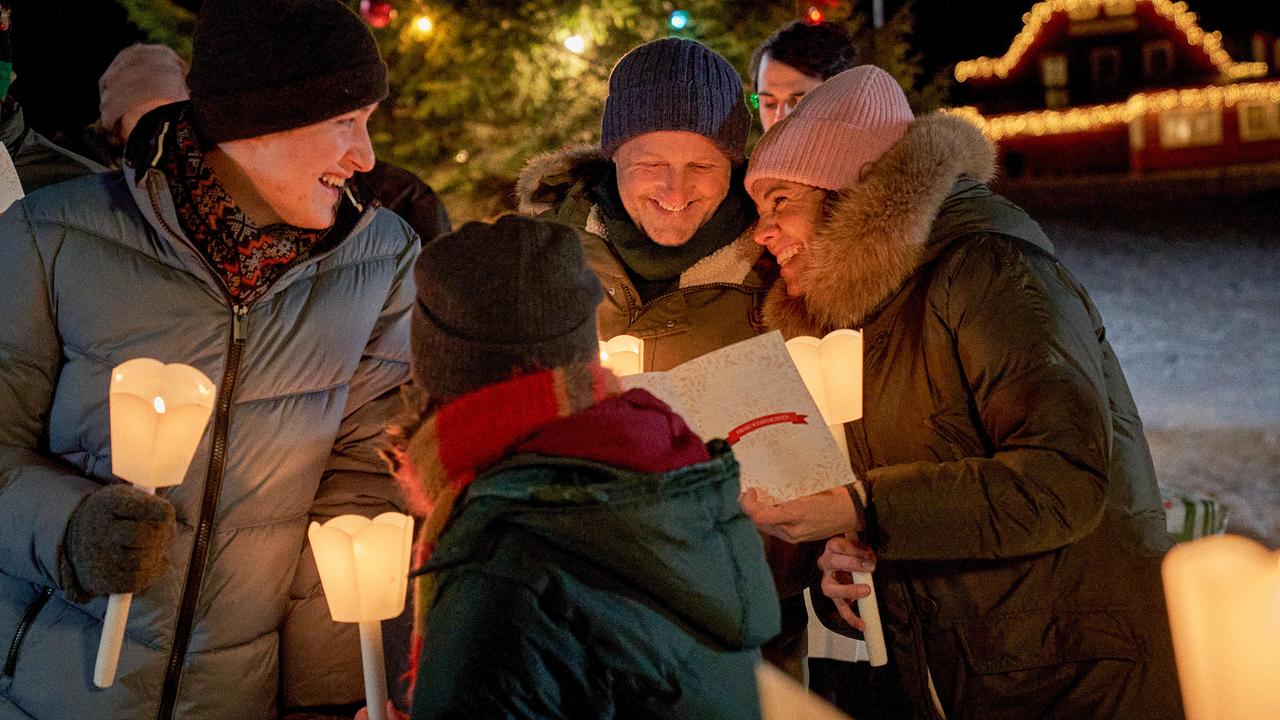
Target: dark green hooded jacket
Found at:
1013, 504
571, 589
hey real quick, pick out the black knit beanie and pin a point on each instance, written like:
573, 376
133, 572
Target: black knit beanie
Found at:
675, 84
263, 66
495, 301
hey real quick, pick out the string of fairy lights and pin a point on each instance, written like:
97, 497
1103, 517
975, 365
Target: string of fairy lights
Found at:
380, 13
1040, 14
1095, 117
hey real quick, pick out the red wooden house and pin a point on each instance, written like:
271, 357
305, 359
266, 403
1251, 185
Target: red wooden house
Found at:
1122, 85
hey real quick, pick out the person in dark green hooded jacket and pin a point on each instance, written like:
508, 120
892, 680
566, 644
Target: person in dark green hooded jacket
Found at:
1010, 498
584, 553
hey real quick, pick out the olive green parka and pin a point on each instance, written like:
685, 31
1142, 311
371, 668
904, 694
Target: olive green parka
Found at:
1012, 501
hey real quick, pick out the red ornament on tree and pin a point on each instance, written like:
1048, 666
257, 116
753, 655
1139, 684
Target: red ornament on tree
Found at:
378, 13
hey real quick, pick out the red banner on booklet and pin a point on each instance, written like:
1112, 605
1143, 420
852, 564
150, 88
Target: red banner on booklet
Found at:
764, 421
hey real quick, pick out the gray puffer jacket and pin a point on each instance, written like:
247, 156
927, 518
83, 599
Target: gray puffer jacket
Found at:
95, 272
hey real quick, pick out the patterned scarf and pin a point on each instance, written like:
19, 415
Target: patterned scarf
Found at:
247, 258
435, 461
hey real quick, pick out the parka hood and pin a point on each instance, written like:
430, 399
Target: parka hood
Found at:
925, 192
545, 181
549, 179
680, 538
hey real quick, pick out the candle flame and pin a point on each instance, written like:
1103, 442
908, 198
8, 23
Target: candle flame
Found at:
159, 404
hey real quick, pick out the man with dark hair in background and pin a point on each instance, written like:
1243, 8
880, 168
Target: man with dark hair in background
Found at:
795, 59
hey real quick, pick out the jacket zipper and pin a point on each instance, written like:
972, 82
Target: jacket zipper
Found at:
213, 477
28, 619
204, 528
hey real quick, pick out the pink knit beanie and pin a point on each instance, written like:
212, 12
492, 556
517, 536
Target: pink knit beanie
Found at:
139, 75
838, 128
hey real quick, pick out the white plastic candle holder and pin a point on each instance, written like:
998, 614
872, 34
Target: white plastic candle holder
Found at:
364, 568
1223, 593
623, 354
832, 371
158, 416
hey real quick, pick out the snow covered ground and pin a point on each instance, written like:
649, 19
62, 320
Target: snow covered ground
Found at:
1186, 273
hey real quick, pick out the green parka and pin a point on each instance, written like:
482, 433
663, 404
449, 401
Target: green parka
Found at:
571, 589
1013, 504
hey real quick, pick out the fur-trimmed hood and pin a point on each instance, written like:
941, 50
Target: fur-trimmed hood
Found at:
878, 232
548, 179
545, 181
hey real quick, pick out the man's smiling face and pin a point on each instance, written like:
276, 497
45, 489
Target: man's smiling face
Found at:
671, 182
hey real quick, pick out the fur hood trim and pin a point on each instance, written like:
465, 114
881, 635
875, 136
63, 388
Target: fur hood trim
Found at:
546, 179
876, 233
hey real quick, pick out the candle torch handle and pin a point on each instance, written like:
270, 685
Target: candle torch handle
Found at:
113, 624
375, 677
869, 611
868, 608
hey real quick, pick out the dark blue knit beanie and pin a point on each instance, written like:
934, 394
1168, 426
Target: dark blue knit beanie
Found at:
675, 84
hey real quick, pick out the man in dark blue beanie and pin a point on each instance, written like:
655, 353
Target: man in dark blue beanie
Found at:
232, 241
661, 198
666, 219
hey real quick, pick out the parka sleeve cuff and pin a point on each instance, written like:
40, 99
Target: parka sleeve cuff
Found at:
35, 505
865, 508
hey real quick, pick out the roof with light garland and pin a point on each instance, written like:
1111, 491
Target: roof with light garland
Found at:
1042, 12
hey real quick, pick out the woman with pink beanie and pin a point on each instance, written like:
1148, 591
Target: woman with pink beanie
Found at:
1010, 501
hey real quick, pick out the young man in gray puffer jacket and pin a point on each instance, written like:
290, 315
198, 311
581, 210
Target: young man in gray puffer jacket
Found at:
232, 241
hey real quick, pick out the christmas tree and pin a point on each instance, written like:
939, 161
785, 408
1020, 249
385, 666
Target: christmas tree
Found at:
480, 86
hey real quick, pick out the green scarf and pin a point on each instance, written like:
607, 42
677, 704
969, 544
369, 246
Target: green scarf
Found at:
649, 263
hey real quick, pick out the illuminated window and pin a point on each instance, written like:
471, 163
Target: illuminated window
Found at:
1190, 127
1122, 8
1053, 70
1055, 98
1258, 44
1157, 59
1259, 120
1083, 12
1104, 64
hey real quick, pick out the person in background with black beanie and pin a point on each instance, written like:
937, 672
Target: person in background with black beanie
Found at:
405, 194
233, 241
583, 553
38, 161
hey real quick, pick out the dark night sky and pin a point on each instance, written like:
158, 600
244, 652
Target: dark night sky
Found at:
62, 46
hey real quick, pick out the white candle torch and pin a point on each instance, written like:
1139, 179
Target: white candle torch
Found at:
364, 568
1223, 594
158, 415
623, 354
832, 371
